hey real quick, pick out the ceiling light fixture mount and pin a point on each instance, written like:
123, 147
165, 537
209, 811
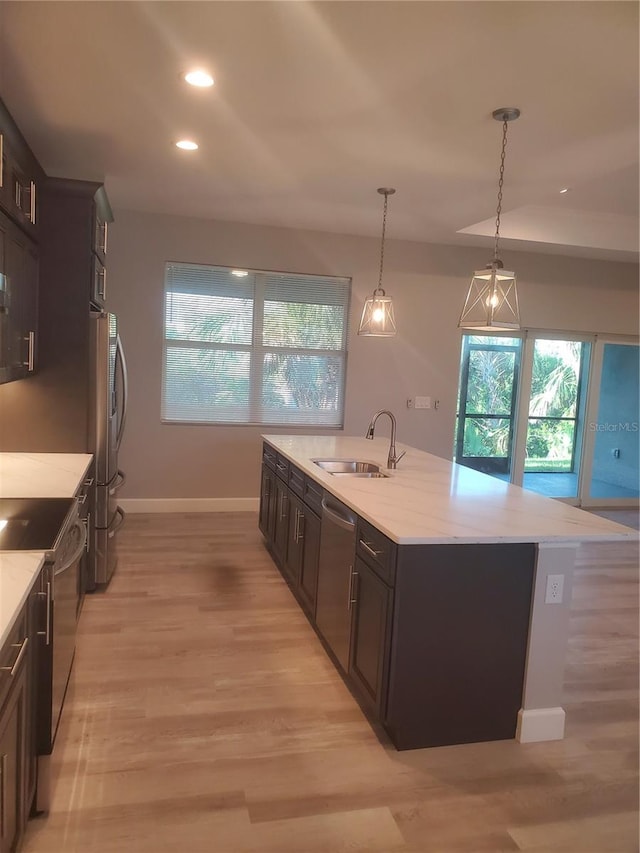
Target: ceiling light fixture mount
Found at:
492, 300
377, 320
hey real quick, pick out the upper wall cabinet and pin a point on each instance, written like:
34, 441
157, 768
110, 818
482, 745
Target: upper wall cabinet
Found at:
20, 176
75, 220
20, 179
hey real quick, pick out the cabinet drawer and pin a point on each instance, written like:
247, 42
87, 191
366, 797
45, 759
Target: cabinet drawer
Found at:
296, 480
377, 551
313, 494
282, 467
269, 456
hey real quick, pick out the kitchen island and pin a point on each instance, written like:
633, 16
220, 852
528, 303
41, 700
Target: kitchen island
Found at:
447, 610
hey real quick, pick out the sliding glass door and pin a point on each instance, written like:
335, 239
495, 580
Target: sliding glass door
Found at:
487, 403
556, 414
613, 438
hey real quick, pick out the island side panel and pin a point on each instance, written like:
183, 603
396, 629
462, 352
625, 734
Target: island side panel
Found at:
460, 628
542, 716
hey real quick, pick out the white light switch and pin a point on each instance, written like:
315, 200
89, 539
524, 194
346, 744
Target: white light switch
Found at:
423, 402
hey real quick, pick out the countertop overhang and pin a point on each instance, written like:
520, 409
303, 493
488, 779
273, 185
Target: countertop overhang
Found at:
429, 500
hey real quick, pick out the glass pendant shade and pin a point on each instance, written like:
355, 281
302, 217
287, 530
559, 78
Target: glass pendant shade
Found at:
377, 316
492, 301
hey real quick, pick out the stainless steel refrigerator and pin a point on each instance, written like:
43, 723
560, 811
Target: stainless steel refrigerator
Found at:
108, 396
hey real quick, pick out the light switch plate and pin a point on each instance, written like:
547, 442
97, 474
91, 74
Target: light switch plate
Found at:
423, 402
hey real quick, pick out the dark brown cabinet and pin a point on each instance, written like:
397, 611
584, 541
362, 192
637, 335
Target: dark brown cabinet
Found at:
290, 524
281, 523
308, 578
295, 540
370, 634
267, 515
17, 745
18, 302
431, 638
20, 178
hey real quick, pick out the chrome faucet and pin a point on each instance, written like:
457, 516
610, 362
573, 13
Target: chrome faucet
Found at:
392, 460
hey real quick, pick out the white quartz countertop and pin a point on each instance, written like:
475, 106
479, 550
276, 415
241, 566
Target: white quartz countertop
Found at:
42, 475
18, 571
429, 500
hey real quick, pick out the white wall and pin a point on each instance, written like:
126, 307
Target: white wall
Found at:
428, 284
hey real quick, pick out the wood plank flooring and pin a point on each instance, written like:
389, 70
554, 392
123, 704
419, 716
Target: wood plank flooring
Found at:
204, 717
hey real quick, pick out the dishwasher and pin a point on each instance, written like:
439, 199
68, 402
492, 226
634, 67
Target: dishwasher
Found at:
336, 577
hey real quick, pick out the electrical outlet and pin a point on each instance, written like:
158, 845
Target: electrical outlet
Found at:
410, 403
555, 588
423, 402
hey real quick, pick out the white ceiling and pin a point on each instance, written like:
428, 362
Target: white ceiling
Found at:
318, 104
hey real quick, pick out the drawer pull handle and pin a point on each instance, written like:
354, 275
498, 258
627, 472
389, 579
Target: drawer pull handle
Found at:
369, 549
47, 632
23, 648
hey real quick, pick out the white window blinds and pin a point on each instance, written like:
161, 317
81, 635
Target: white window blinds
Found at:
254, 348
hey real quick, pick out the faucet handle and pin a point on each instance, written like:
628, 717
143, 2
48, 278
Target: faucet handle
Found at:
398, 458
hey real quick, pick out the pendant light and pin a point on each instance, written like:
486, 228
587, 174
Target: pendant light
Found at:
377, 315
492, 301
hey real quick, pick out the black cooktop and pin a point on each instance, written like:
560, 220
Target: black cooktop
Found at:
32, 524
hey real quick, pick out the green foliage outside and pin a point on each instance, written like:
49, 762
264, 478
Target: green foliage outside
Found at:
296, 362
554, 394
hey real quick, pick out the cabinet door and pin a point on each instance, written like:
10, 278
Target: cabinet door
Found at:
266, 498
295, 543
12, 755
308, 583
281, 523
21, 271
370, 634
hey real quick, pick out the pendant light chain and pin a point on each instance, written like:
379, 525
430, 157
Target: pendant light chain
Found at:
384, 228
500, 185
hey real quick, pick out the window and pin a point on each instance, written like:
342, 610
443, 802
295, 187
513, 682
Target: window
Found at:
253, 347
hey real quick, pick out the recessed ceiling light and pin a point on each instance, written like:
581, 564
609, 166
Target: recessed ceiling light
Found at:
199, 78
565, 189
239, 273
187, 145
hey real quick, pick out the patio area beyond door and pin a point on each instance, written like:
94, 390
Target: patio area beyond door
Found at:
537, 410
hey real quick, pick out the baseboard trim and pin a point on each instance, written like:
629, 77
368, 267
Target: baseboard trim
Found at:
540, 724
135, 505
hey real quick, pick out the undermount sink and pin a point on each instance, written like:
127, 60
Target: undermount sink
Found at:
350, 468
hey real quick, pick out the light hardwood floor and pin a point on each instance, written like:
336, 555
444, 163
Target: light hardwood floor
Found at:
203, 715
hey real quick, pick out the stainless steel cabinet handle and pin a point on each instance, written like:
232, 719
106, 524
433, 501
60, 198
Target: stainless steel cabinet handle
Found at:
1, 159
47, 631
298, 534
369, 549
18, 194
354, 588
82, 499
283, 499
103, 292
106, 231
88, 482
3, 794
23, 648
350, 599
32, 200
30, 362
